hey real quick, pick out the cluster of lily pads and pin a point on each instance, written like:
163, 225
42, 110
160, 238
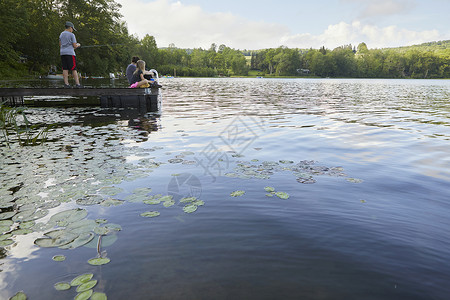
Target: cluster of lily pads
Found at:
84, 287
304, 171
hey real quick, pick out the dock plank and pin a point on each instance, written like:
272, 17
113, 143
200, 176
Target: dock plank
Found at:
85, 92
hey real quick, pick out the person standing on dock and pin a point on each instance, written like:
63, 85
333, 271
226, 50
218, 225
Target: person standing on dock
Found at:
131, 68
67, 45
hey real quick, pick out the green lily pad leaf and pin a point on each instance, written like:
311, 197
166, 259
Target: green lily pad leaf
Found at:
166, 198
19, 296
111, 190
30, 215
169, 203
6, 223
111, 202
152, 201
84, 295
4, 228
101, 230
101, 221
113, 227
282, 195
237, 193
199, 202
86, 286
354, 180
7, 215
190, 208
6, 242
188, 199
6, 204
59, 258
27, 225
62, 286
269, 189
89, 200
83, 278
99, 296
135, 198
99, 261
270, 195
68, 216
82, 226
22, 231
150, 214
59, 241
81, 240
286, 161
142, 191
5, 236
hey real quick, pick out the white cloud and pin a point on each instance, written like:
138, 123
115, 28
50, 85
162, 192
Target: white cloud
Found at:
356, 32
189, 26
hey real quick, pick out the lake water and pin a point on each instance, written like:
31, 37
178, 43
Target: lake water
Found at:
365, 163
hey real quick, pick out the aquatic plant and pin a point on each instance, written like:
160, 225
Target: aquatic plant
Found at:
13, 120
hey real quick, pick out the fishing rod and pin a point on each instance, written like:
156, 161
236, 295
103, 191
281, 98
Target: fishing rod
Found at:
96, 46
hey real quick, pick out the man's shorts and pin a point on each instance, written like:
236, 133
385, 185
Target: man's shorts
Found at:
69, 62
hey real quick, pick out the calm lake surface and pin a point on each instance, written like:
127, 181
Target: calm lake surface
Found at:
365, 163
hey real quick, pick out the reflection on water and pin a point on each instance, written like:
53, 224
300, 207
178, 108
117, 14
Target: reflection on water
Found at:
365, 164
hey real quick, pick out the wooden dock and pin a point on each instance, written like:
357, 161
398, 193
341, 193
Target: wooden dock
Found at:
143, 99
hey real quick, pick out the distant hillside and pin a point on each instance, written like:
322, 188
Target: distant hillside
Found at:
431, 46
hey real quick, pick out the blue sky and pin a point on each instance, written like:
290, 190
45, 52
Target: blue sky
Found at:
262, 24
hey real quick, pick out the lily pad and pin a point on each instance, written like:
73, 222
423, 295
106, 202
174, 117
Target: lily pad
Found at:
22, 231
269, 189
190, 208
111, 202
188, 199
142, 191
237, 193
101, 230
59, 258
150, 214
19, 296
68, 216
111, 190
6, 242
83, 278
7, 215
6, 223
59, 241
86, 286
4, 228
99, 261
354, 180
282, 195
62, 286
81, 240
113, 227
169, 203
84, 295
99, 296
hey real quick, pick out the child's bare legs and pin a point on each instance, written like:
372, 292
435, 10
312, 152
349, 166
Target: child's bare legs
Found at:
66, 77
75, 77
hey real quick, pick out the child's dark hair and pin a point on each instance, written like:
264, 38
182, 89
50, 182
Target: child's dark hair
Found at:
135, 59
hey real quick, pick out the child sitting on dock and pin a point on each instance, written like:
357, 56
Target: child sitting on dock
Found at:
138, 79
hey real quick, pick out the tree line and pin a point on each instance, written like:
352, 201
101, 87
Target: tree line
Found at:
431, 61
30, 31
